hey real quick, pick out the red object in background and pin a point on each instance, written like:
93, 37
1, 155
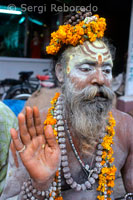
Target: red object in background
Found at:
42, 77
35, 46
44, 81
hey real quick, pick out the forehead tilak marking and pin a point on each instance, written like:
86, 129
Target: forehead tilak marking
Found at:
99, 58
101, 52
98, 47
87, 53
108, 57
88, 49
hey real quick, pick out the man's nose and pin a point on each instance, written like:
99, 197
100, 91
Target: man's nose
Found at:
98, 78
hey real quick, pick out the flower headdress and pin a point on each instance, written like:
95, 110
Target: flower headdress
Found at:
73, 32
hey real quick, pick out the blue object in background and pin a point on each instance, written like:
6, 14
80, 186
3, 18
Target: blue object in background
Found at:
15, 105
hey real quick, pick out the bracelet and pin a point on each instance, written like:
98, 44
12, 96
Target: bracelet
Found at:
129, 196
28, 191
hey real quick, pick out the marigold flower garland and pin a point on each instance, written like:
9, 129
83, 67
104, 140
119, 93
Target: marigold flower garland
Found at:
74, 35
50, 120
107, 175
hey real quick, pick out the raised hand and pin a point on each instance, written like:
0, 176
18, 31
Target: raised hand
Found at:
39, 151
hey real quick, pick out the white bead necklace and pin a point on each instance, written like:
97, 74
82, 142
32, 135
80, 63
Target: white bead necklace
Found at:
91, 173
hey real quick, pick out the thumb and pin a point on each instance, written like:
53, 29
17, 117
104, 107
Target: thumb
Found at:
49, 135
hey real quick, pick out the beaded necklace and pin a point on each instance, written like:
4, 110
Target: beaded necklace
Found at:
104, 169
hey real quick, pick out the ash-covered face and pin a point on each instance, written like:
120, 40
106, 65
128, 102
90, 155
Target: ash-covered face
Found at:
88, 97
89, 64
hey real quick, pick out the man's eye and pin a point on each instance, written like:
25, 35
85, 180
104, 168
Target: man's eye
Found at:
107, 71
84, 69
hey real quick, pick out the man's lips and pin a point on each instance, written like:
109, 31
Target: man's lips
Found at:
100, 94
98, 97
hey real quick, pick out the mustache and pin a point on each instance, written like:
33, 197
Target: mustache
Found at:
92, 93
100, 92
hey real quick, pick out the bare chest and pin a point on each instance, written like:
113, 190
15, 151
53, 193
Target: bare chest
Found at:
80, 177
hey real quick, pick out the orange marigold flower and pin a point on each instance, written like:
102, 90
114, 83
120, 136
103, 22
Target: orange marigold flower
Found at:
109, 192
73, 35
111, 184
55, 133
104, 155
103, 162
59, 198
50, 121
111, 160
100, 197
57, 173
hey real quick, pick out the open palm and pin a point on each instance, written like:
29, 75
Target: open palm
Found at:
41, 156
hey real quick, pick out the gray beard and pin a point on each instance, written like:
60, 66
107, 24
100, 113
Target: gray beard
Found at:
86, 113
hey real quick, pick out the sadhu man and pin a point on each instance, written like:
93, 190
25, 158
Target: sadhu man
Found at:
84, 142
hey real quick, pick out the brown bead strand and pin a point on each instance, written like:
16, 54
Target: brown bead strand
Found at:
75, 19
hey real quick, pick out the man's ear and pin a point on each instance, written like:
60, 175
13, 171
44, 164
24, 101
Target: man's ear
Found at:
59, 72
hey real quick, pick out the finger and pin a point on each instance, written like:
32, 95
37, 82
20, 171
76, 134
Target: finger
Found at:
16, 141
25, 137
37, 121
30, 122
50, 138
13, 150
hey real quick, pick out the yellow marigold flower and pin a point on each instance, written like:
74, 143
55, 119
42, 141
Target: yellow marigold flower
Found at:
100, 197
97, 16
59, 198
57, 173
111, 184
110, 151
50, 121
55, 133
105, 170
110, 178
107, 141
103, 162
108, 198
109, 192
112, 170
104, 155
68, 34
111, 160
100, 34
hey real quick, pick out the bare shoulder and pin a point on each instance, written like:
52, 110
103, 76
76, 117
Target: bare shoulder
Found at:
119, 115
124, 126
41, 99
